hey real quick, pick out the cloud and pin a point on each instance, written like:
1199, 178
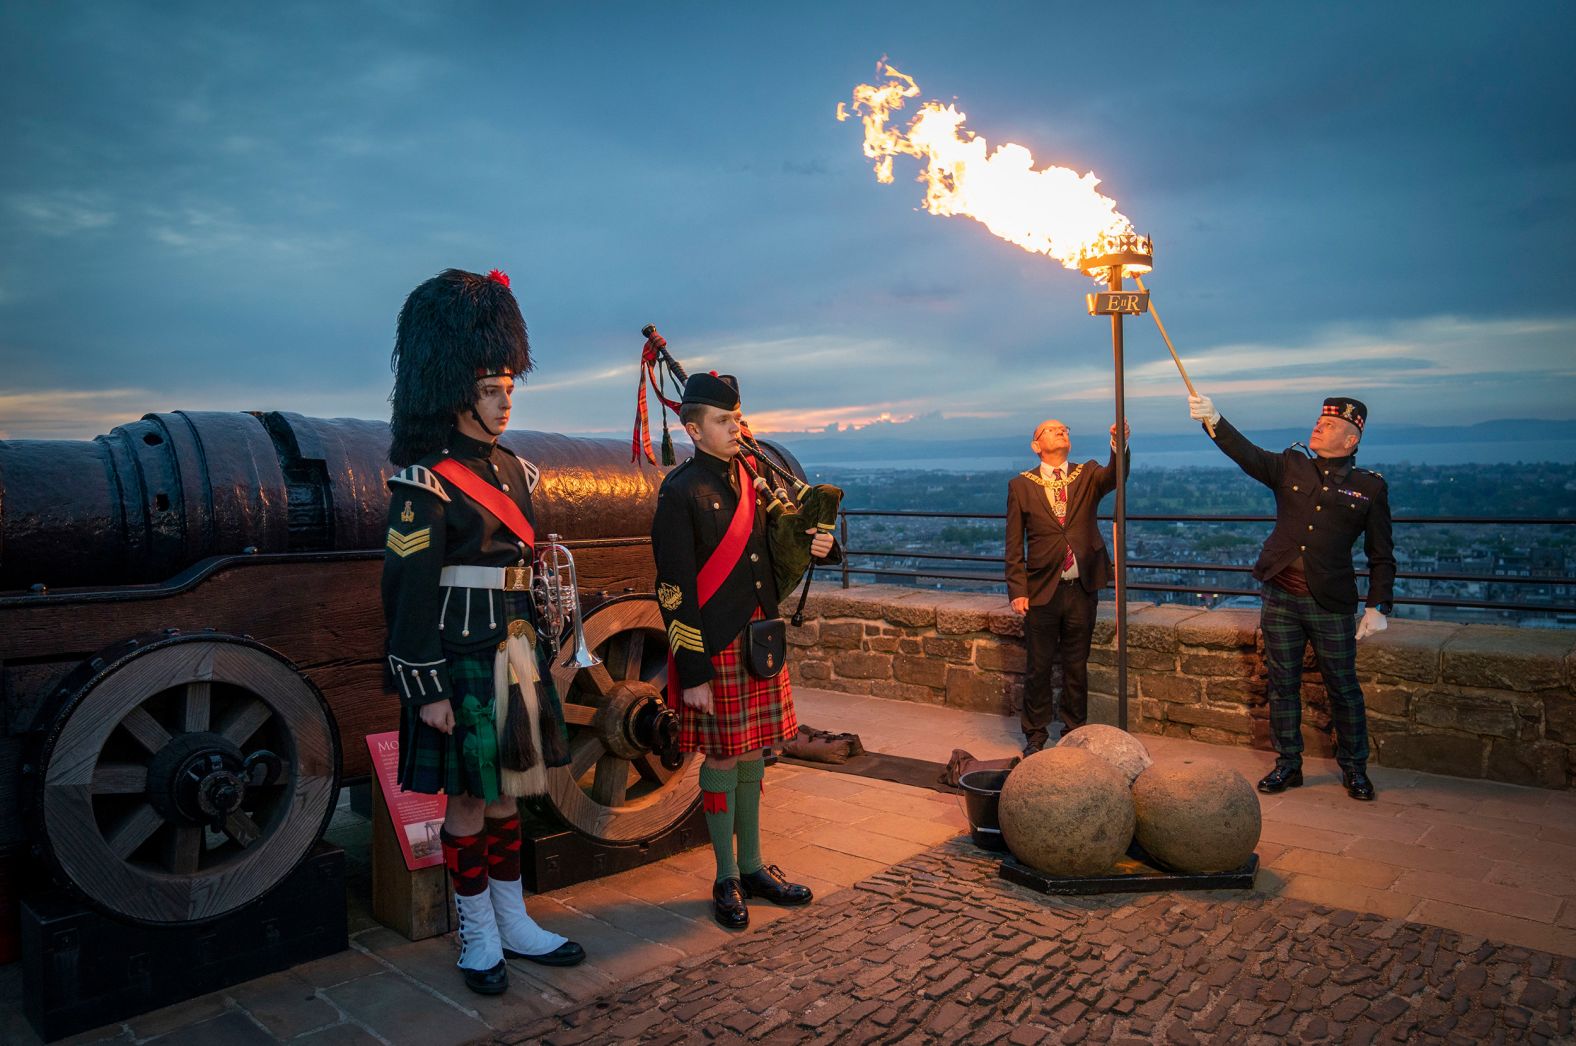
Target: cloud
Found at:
1407, 372
63, 212
198, 200
855, 416
78, 413
69, 413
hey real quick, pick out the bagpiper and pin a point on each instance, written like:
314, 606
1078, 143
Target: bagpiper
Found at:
480, 720
718, 597
1323, 503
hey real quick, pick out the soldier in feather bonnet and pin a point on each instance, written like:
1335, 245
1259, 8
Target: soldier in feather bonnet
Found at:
480, 720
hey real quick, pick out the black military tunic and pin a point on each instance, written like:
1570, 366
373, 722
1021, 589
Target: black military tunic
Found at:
694, 507
432, 525
1321, 506
444, 640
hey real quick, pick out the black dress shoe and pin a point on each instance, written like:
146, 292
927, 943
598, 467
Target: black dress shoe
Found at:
1280, 779
567, 954
1031, 747
487, 982
770, 883
1358, 786
727, 904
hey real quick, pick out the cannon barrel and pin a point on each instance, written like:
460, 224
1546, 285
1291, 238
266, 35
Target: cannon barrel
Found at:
151, 498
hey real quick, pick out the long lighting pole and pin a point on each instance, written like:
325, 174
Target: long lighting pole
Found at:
1113, 256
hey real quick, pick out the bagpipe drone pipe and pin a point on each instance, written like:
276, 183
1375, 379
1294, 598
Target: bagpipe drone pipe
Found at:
798, 510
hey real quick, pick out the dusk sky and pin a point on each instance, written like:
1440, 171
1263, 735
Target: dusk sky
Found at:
221, 207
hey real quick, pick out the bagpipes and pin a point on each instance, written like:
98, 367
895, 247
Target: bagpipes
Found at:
789, 515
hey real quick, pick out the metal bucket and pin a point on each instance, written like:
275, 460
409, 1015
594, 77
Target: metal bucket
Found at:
981, 792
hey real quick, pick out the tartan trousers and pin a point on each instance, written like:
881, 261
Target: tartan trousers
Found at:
1290, 623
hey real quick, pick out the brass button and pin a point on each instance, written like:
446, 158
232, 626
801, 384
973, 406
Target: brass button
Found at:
754, 558
1294, 486
1324, 488
757, 584
716, 504
495, 466
1310, 526
506, 486
1316, 508
1303, 547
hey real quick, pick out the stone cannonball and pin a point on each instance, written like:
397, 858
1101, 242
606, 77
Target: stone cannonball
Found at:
1065, 811
1126, 753
1195, 815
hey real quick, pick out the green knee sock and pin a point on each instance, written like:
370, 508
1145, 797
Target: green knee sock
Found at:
747, 819
718, 789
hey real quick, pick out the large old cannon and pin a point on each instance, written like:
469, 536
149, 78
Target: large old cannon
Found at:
191, 644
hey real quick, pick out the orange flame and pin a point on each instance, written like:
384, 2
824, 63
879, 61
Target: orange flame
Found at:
1053, 211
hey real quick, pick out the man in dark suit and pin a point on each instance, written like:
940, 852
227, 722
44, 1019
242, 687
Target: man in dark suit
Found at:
1056, 583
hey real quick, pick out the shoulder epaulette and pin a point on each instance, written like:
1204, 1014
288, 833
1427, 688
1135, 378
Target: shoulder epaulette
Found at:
422, 477
1371, 472
533, 475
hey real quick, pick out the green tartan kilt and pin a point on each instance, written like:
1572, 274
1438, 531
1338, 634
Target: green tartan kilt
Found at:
466, 762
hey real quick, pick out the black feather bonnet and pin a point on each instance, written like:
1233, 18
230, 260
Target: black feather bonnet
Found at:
453, 329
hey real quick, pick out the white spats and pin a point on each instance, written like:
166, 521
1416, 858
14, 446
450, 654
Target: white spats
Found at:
480, 948
517, 929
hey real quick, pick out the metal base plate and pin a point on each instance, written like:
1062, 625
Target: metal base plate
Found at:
1128, 876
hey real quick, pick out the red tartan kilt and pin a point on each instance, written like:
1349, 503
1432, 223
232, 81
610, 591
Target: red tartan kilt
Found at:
749, 714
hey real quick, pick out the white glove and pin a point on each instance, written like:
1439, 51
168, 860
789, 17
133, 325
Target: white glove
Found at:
1203, 409
1372, 622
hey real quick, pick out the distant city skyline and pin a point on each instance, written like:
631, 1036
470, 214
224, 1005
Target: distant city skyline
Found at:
212, 209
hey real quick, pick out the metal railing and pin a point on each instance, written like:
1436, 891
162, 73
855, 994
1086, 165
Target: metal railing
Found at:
994, 577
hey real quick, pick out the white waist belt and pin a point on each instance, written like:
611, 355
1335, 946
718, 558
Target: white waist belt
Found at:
495, 578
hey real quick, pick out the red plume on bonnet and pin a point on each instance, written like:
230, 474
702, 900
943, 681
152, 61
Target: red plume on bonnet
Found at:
499, 276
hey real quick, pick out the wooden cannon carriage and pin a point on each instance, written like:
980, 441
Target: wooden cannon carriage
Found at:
191, 650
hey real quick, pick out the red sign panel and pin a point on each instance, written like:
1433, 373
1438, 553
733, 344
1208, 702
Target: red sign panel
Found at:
417, 817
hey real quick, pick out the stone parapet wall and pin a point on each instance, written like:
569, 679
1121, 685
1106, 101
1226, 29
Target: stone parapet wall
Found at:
1469, 700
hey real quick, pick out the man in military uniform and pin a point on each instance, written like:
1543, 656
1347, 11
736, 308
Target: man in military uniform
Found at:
479, 718
714, 578
1323, 501
1053, 510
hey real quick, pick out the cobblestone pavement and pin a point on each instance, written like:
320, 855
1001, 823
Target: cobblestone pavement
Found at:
938, 949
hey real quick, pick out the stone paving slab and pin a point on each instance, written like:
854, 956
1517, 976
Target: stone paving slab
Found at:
938, 949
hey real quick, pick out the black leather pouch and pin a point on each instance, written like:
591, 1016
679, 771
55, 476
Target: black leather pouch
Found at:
766, 647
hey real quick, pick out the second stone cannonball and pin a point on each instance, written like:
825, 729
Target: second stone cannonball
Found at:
1066, 811
1195, 815
1121, 749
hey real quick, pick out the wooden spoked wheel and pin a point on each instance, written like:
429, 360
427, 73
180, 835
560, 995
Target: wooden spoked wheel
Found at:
616, 789
185, 776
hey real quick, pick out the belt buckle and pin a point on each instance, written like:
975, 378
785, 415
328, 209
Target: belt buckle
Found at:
517, 579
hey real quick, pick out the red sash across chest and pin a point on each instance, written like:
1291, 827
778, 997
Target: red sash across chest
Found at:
488, 497
726, 555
